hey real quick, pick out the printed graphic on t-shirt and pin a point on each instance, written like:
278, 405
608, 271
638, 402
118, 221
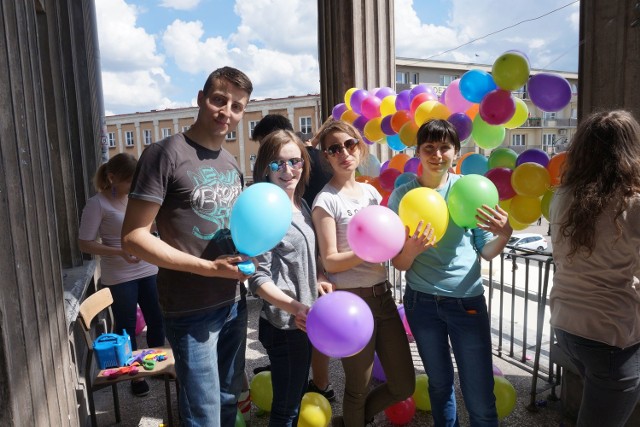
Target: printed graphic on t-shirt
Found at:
213, 196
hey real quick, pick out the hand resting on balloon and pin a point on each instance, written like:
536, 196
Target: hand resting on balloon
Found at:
421, 240
495, 221
301, 316
226, 266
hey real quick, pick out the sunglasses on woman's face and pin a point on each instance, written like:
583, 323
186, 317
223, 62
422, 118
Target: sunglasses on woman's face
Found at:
350, 145
294, 163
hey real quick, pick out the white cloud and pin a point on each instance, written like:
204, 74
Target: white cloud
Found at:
180, 4
136, 90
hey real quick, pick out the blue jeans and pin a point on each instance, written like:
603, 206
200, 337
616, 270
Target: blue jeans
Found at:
126, 297
464, 321
290, 356
209, 350
611, 379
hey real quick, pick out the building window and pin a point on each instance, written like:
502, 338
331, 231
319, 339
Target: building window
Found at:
548, 139
128, 137
185, 128
549, 115
166, 132
147, 137
518, 139
305, 125
445, 80
252, 127
415, 78
402, 77
111, 137
231, 136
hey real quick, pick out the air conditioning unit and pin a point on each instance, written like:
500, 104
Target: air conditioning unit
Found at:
562, 131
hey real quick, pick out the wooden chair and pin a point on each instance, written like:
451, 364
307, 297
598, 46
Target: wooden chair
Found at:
95, 304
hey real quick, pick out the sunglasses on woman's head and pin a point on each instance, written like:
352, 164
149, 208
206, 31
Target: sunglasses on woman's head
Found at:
350, 145
279, 165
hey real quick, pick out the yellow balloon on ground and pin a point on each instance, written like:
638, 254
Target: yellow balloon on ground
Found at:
530, 179
388, 105
430, 110
545, 203
372, 130
421, 394
505, 396
347, 97
261, 391
525, 210
315, 411
520, 116
427, 205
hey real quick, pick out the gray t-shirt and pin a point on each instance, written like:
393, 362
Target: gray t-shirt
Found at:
291, 266
342, 209
196, 189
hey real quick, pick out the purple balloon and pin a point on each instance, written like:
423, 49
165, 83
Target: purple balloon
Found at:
462, 123
533, 155
385, 125
412, 165
385, 91
549, 92
366, 141
384, 166
403, 100
340, 324
416, 90
378, 370
360, 122
356, 100
338, 110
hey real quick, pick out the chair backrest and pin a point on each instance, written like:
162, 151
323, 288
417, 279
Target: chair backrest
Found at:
91, 307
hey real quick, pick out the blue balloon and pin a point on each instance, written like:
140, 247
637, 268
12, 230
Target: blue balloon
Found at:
475, 164
403, 178
475, 84
394, 142
260, 218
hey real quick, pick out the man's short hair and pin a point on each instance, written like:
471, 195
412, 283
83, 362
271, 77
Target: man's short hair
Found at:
270, 123
232, 75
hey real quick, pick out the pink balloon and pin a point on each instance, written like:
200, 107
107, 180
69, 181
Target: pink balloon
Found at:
405, 322
497, 107
388, 178
371, 107
376, 234
454, 99
140, 322
501, 177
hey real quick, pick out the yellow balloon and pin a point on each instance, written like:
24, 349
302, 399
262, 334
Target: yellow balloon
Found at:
505, 396
430, 110
315, 411
505, 204
520, 116
421, 394
349, 116
261, 391
347, 97
525, 210
372, 130
517, 225
546, 202
388, 105
408, 133
530, 179
427, 205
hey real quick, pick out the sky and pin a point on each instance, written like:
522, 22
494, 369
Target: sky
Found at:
156, 54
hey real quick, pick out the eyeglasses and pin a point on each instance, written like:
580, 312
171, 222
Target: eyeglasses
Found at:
350, 145
294, 163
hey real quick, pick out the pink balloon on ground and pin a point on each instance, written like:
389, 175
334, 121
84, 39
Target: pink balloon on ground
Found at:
140, 322
376, 234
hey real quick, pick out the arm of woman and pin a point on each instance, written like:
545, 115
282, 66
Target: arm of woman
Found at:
274, 295
332, 260
96, 248
495, 221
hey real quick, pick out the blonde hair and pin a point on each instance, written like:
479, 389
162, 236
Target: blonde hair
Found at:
331, 126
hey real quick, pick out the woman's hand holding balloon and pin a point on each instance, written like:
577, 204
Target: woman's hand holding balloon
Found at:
301, 316
494, 220
226, 266
421, 239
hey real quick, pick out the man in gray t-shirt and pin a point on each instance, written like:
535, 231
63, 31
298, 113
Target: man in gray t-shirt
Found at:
188, 184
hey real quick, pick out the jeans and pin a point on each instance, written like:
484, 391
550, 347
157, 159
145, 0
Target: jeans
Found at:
209, 351
290, 356
435, 321
389, 341
126, 296
611, 379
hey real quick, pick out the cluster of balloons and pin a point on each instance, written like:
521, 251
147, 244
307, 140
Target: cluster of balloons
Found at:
525, 182
479, 104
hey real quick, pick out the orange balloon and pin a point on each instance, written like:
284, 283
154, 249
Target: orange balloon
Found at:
365, 179
399, 118
349, 116
376, 184
555, 168
460, 160
408, 133
419, 171
473, 111
398, 161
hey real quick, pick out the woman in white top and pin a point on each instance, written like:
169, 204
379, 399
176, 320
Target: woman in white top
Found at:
340, 199
595, 299
131, 280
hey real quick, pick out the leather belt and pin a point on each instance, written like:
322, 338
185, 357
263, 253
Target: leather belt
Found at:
376, 290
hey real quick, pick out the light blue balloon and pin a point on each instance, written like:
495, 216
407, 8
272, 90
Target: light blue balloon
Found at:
260, 218
403, 178
475, 164
394, 142
475, 84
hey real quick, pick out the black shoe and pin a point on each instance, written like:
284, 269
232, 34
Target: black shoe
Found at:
259, 369
139, 388
328, 392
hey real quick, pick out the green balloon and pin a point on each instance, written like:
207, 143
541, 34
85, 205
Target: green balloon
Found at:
503, 158
485, 135
511, 70
421, 394
467, 195
240, 422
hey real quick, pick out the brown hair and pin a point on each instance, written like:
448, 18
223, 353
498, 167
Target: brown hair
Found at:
230, 74
602, 167
331, 126
270, 147
122, 166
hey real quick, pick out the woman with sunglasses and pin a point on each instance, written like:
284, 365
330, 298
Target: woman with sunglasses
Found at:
340, 199
287, 278
444, 298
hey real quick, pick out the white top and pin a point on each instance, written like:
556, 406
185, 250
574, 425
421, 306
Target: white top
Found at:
342, 209
102, 219
598, 297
